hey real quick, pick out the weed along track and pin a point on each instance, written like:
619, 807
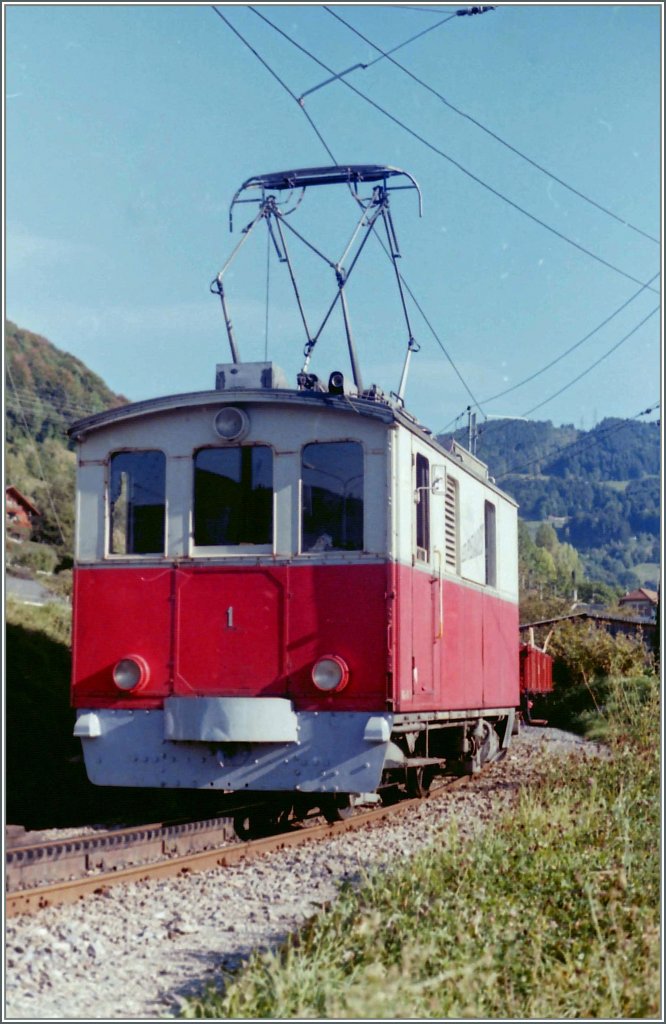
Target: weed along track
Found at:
140, 949
57, 871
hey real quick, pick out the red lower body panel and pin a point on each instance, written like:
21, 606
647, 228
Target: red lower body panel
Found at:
420, 642
457, 645
231, 631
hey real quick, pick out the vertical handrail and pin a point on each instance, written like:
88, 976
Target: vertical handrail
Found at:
440, 603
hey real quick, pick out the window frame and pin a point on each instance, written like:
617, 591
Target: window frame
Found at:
108, 510
422, 514
245, 549
331, 553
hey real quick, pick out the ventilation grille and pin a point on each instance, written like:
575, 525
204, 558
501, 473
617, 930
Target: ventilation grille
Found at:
451, 524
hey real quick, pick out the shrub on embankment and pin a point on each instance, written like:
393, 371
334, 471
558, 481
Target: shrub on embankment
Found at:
45, 779
586, 659
554, 912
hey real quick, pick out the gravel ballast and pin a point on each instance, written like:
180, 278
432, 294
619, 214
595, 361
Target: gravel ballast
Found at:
138, 950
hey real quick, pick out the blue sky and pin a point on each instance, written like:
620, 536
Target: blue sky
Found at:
129, 129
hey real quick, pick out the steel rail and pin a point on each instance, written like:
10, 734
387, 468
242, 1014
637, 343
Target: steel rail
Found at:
29, 901
59, 860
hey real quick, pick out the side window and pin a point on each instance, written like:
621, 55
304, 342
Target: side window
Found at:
233, 496
422, 508
137, 503
332, 496
451, 515
490, 533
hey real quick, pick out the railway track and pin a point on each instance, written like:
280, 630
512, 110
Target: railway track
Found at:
64, 871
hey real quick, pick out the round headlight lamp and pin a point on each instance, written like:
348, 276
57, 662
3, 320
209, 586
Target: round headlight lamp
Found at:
231, 424
130, 673
330, 673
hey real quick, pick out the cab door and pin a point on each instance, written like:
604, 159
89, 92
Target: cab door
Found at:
425, 594
229, 631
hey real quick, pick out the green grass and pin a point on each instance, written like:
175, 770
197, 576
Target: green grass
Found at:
647, 570
554, 912
45, 780
53, 621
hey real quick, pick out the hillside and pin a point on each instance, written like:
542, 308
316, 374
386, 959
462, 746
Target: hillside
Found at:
45, 391
599, 488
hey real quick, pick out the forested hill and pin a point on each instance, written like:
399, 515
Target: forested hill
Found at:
46, 388
45, 391
600, 488
615, 449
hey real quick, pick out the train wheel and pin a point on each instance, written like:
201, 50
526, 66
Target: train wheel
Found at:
280, 820
390, 795
261, 823
248, 826
336, 807
419, 781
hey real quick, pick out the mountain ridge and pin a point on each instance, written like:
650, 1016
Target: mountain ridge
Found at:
599, 488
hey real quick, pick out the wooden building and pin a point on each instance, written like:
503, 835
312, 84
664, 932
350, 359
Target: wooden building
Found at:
20, 514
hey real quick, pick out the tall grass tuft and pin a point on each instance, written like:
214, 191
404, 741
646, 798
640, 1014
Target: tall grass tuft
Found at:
552, 912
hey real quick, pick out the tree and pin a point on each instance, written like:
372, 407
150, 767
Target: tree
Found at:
546, 537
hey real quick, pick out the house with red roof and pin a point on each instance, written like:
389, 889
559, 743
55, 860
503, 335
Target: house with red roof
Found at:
20, 514
641, 602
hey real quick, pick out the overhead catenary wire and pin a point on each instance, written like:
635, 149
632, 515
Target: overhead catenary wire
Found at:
442, 346
277, 79
580, 376
498, 138
412, 39
331, 155
445, 156
364, 67
562, 355
34, 397
644, 285
36, 406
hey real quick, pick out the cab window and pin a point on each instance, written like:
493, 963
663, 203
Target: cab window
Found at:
233, 496
422, 508
332, 497
137, 503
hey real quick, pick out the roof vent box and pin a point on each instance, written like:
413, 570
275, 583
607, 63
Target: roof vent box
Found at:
249, 377
475, 465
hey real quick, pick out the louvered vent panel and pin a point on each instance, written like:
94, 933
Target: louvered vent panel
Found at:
451, 525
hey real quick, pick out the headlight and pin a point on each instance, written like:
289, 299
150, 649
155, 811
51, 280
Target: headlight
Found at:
231, 424
129, 673
330, 673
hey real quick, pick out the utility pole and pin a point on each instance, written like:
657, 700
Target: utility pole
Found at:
472, 432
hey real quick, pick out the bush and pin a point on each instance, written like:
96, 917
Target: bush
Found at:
589, 709
584, 651
30, 555
60, 583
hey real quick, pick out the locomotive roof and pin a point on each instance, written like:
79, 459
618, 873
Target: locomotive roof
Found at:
133, 410
382, 410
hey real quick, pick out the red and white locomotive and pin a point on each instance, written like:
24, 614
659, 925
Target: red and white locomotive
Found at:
289, 591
